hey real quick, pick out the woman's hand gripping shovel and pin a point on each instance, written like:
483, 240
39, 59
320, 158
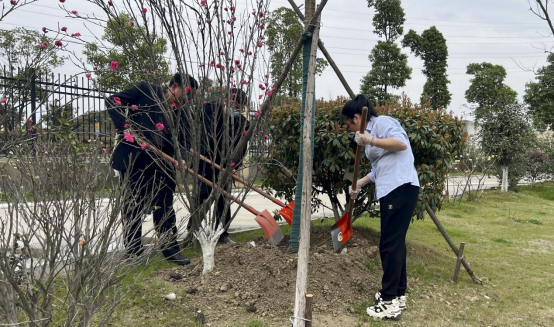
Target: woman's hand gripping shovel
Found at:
342, 230
264, 218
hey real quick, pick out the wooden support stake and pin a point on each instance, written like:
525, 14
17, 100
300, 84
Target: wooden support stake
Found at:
459, 262
308, 313
441, 229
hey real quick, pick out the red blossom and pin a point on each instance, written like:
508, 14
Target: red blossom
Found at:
114, 65
58, 43
64, 29
134, 107
117, 100
144, 10
74, 12
160, 126
88, 75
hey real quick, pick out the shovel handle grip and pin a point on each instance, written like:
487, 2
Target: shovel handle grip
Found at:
201, 178
359, 148
242, 181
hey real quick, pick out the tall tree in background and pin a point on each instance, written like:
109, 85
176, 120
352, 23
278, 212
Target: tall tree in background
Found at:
132, 47
431, 47
507, 134
540, 9
282, 34
539, 96
487, 90
389, 66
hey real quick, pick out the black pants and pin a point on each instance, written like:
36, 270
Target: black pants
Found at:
205, 190
148, 189
397, 209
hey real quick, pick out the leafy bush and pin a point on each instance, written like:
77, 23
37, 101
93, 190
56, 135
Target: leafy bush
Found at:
436, 137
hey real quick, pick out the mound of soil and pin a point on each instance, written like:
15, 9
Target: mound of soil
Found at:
258, 282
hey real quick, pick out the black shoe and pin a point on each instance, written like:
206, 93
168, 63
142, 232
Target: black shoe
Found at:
173, 254
178, 259
227, 240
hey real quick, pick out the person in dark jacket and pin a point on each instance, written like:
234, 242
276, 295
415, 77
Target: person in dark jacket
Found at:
142, 113
217, 146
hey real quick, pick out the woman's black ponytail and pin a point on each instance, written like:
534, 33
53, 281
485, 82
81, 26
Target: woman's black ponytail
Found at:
355, 106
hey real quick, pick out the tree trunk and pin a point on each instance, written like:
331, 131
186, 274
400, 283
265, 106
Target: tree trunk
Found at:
208, 238
504, 179
306, 212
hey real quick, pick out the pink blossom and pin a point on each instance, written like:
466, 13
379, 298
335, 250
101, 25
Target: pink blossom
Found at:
129, 137
268, 93
126, 126
58, 43
199, 23
117, 100
205, 102
222, 53
222, 68
173, 105
232, 69
187, 89
261, 131
257, 113
203, 3
110, 3
229, 32
143, 145
254, 13
250, 52
261, 14
262, 87
207, 21
233, 8
132, 23
45, 30
160, 126
245, 82
271, 47
234, 18
262, 37
134, 107
30, 120
74, 12
144, 10
62, 1
64, 29
225, 9
245, 132
95, 67
241, 50
103, 149
261, 26
232, 101
232, 164
237, 61
266, 76
266, 136
218, 66
114, 65
88, 75
13, 2
260, 96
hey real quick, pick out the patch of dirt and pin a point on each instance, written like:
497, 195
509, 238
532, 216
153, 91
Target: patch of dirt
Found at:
258, 282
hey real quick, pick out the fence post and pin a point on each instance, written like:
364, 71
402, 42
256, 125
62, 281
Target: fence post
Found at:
33, 96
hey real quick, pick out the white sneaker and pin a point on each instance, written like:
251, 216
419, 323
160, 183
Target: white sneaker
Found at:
385, 310
401, 300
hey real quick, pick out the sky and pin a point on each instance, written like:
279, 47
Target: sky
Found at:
502, 32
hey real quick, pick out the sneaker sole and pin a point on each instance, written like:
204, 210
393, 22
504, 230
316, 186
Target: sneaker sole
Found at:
394, 315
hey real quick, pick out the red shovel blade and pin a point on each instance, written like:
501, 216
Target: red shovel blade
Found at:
270, 227
341, 232
286, 213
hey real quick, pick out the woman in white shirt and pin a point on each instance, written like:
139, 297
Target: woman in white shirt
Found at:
396, 187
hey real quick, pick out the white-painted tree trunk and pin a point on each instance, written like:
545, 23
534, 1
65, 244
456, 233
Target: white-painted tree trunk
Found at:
504, 179
207, 237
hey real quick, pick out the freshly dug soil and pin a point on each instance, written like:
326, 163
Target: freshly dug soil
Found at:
258, 282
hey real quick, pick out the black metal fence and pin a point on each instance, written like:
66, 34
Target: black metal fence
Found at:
39, 101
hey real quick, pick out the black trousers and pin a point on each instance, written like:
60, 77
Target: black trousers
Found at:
148, 189
397, 209
205, 190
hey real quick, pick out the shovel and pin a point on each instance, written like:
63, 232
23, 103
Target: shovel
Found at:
342, 230
285, 212
264, 218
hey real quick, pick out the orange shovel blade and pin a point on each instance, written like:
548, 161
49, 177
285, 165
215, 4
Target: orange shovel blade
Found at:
286, 213
270, 227
341, 232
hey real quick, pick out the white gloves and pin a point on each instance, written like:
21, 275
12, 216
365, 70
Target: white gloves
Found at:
363, 139
359, 184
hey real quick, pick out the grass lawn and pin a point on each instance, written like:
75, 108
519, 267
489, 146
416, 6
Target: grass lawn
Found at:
509, 244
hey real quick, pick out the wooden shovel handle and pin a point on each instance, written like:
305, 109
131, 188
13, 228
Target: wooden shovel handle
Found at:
242, 181
200, 178
359, 148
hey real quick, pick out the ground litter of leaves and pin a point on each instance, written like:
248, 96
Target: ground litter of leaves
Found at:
258, 282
